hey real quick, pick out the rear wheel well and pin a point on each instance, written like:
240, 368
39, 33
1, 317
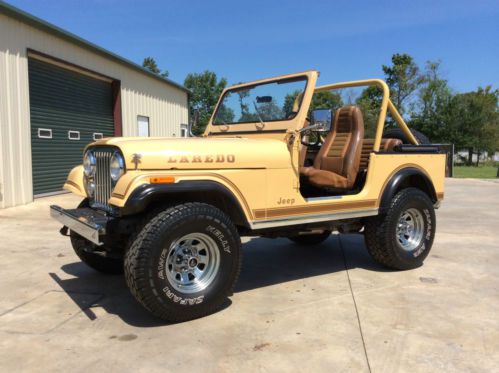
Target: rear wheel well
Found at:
419, 182
407, 178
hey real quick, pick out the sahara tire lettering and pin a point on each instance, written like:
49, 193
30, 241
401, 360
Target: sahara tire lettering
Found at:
183, 301
161, 264
420, 250
220, 236
428, 220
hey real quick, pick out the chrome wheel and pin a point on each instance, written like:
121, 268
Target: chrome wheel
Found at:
410, 229
192, 263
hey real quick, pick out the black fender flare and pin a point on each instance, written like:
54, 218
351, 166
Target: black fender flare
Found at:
146, 194
406, 177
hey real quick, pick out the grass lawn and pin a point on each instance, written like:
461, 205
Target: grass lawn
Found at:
480, 172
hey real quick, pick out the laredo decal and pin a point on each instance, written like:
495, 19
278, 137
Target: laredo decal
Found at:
209, 158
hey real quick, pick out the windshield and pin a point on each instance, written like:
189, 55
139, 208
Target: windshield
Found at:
268, 102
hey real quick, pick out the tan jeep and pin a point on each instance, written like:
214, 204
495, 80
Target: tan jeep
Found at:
170, 211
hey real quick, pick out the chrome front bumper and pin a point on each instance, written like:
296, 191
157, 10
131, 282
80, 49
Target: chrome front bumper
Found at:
88, 223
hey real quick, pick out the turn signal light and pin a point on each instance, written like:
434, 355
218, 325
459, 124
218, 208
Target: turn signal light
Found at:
162, 180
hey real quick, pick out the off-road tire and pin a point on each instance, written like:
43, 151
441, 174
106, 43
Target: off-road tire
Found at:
83, 248
380, 231
397, 133
310, 239
146, 263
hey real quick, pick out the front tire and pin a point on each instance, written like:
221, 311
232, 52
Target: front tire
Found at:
100, 262
402, 238
90, 255
185, 262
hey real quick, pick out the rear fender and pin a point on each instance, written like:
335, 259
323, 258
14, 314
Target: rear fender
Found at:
405, 178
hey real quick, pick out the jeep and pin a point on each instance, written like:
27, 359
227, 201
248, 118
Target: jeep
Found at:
170, 212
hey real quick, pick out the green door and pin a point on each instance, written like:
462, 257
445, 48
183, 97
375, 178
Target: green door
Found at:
68, 111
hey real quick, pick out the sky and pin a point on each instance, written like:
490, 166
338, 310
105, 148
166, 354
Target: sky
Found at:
244, 41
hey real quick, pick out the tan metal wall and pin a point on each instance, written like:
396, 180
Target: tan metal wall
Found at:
165, 105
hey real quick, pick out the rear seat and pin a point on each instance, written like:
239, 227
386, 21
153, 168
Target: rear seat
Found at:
387, 144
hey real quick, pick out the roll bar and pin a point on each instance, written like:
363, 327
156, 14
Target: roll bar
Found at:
386, 105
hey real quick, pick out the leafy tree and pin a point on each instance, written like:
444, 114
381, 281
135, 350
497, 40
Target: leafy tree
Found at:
403, 78
269, 111
326, 100
473, 121
320, 100
242, 94
369, 103
205, 90
432, 107
225, 114
150, 64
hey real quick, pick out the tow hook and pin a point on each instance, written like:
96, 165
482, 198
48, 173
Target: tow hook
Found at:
64, 231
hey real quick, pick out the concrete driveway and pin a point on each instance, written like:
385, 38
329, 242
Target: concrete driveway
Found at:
327, 308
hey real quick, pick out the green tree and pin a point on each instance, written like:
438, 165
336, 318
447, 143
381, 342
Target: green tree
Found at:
320, 100
150, 64
205, 90
326, 100
369, 103
432, 106
403, 78
473, 121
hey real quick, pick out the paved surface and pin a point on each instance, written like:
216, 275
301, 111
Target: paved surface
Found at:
328, 308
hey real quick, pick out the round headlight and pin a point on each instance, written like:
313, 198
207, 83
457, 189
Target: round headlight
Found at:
90, 187
117, 167
89, 164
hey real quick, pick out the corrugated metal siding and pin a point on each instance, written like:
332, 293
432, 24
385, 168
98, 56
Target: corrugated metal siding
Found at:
61, 101
165, 106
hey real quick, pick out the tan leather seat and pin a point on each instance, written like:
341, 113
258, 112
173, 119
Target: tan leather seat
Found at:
337, 163
387, 144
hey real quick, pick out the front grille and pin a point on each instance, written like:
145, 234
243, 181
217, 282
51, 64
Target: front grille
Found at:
103, 182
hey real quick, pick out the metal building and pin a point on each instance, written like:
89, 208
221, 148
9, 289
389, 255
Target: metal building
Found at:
59, 92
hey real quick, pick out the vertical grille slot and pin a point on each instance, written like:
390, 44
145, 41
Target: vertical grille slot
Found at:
103, 182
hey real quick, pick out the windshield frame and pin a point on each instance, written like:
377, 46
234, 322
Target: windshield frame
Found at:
302, 78
274, 129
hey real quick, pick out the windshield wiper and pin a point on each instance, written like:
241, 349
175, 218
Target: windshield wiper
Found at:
258, 113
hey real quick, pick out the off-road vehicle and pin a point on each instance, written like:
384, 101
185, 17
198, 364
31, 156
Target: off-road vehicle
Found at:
170, 211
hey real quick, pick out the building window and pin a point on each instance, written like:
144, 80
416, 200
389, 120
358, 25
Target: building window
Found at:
74, 135
184, 130
143, 125
98, 136
44, 133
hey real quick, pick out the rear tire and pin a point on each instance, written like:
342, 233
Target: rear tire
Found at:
185, 262
310, 239
402, 238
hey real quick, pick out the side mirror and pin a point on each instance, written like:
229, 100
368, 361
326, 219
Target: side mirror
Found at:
321, 120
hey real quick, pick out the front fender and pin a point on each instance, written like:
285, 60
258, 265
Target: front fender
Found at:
74, 182
206, 191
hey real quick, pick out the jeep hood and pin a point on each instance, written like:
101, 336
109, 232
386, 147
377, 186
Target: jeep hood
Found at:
200, 152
